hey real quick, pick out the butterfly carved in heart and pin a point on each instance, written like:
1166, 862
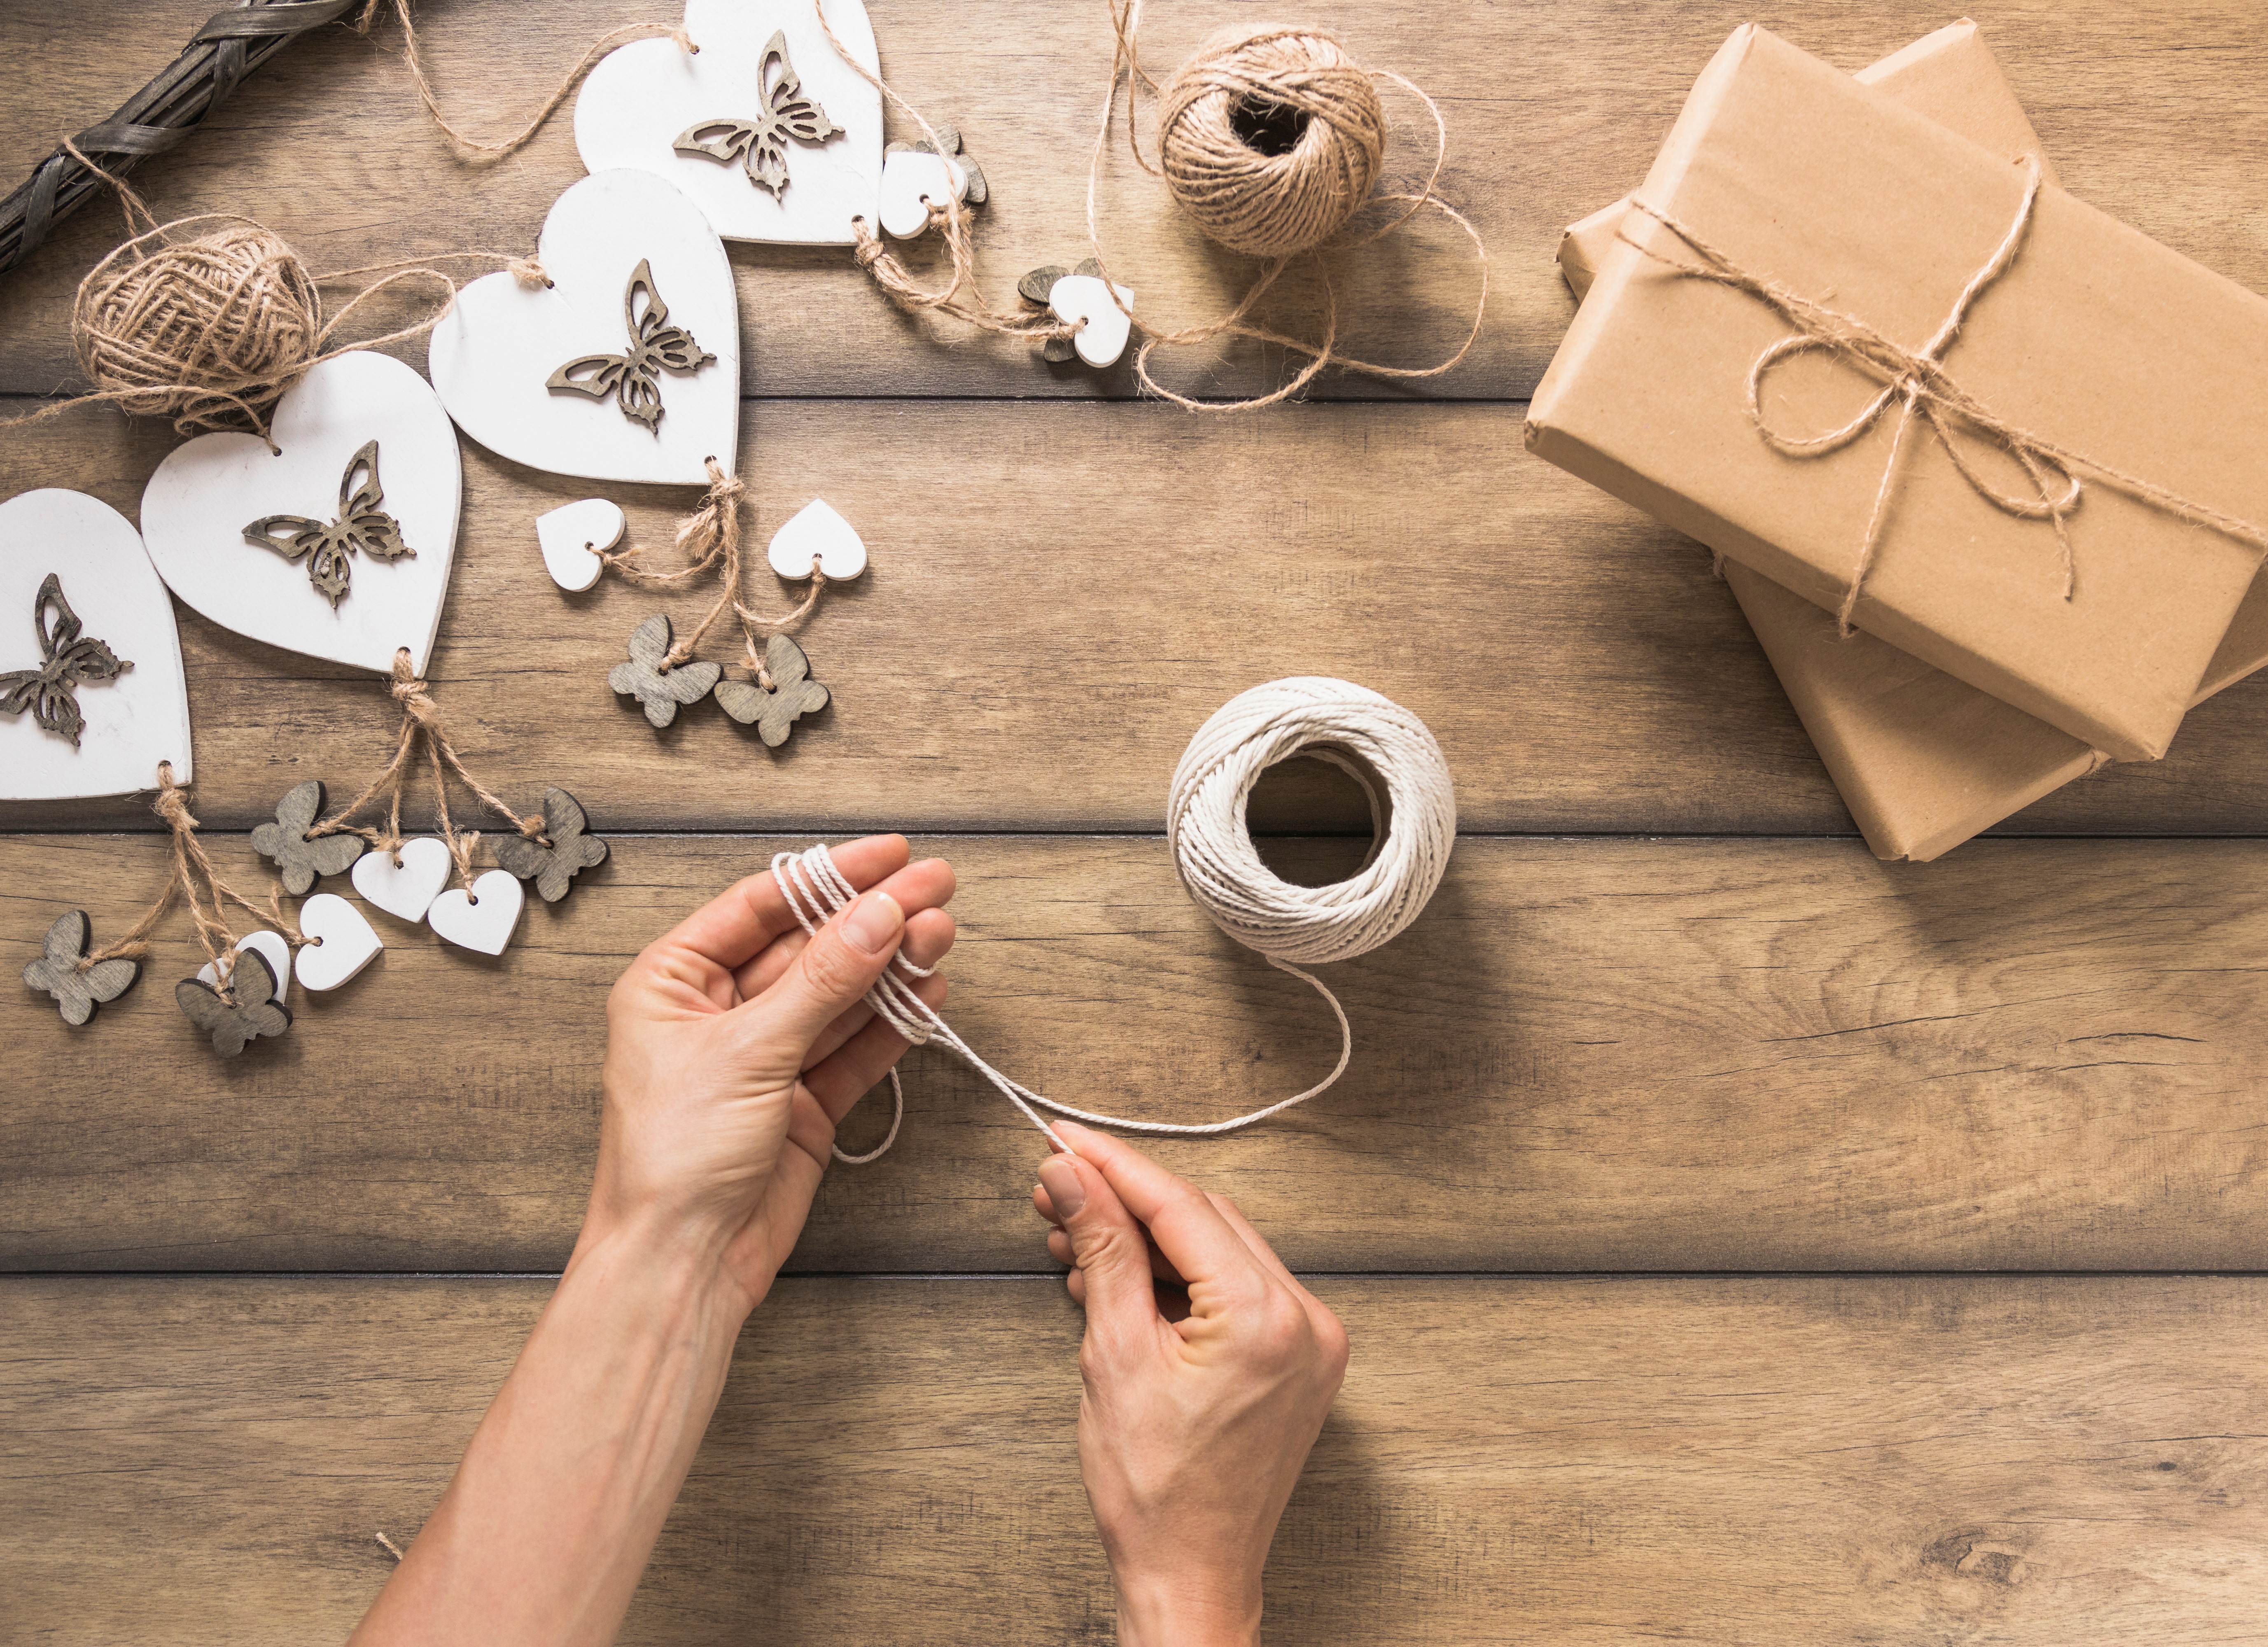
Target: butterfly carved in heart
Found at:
634, 379
51, 691
761, 144
361, 524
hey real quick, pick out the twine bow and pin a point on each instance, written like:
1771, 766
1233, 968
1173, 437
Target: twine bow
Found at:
1916, 381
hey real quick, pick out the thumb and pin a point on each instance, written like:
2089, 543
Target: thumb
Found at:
1109, 1246
841, 963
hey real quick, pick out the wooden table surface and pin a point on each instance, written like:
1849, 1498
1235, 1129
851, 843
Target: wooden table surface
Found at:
1742, 1240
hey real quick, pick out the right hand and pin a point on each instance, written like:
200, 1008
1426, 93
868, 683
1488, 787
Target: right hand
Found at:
1193, 1423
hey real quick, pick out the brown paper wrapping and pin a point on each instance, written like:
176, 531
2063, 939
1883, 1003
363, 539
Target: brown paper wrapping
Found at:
2096, 337
1950, 76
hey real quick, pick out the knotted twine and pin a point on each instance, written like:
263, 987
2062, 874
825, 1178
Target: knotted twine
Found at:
1290, 927
709, 536
422, 723
192, 865
1280, 207
1921, 387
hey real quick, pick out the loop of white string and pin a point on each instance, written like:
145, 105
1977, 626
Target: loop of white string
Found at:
1350, 726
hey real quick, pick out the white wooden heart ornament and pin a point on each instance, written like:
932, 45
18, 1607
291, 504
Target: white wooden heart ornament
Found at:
273, 950
197, 506
643, 98
404, 890
483, 921
493, 354
340, 941
1077, 298
573, 535
911, 180
132, 720
817, 533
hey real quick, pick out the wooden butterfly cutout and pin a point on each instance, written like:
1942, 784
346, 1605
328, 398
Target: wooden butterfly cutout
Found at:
657, 684
553, 868
634, 379
300, 857
249, 1010
361, 524
761, 144
51, 691
774, 708
77, 991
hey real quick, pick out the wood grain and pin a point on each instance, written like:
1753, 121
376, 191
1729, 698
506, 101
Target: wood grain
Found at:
1019, 656
2038, 1460
2150, 111
1587, 1055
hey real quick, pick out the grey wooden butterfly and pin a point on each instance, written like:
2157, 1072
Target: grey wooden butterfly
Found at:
51, 691
634, 379
77, 991
553, 868
761, 144
774, 709
655, 683
249, 1010
299, 859
1034, 289
361, 524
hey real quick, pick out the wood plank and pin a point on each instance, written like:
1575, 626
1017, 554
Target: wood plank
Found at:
1587, 1055
1022, 656
1934, 1458
2150, 113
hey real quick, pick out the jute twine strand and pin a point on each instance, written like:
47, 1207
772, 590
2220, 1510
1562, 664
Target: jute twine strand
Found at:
472, 149
1290, 927
710, 538
1311, 190
191, 867
422, 723
212, 328
1917, 383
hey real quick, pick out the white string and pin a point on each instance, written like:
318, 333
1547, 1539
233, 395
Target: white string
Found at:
1350, 726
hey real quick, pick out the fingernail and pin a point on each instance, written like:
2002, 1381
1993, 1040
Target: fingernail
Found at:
1064, 1187
873, 921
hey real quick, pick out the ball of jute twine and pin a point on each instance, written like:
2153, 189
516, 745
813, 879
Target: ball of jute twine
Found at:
1371, 737
1267, 199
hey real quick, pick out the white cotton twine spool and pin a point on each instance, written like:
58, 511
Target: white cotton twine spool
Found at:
1354, 729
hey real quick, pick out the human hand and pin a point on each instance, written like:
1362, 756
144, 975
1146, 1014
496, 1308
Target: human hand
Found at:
1192, 1427
736, 1043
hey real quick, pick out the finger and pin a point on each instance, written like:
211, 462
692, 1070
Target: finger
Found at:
1059, 1248
1254, 1242
1107, 1247
929, 937
1194, 1237
921, 886
750, 914
847, 1075
840, 964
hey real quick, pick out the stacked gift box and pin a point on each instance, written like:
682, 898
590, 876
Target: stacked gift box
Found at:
1983, 466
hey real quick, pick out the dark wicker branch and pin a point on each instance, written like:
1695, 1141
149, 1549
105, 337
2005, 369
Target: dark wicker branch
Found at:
160, 114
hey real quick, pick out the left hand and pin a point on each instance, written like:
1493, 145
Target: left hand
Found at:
736, 1043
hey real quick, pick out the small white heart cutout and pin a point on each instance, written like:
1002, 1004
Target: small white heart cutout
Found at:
273, 950
571, 536
486, 920
1077, 298
912, 178
817, 533
340, 941
406, 890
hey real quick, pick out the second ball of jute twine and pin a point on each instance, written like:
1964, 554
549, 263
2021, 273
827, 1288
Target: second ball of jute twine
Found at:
1352, 727
1270, 204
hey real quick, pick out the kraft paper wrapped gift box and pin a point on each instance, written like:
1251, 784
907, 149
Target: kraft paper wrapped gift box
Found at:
2092, 338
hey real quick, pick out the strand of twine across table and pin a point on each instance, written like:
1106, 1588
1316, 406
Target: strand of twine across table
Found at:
191, 864
708, 536
1917, 381
1290, 927
422, 724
